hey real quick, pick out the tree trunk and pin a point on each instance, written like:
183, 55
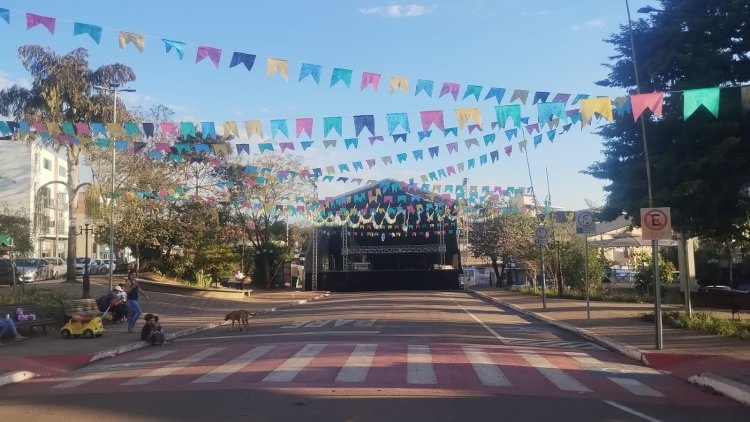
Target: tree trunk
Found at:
497, 271
73, 152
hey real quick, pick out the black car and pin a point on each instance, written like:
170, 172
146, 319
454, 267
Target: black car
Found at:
7, 271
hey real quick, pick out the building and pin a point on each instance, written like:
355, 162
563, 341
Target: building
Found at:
33, 181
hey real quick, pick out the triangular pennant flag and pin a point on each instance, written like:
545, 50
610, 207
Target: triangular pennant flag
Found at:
187, 129
279, 125
537, 140
93, 31
540, 96
470, 163
640, 102
278, 65
357, 166
460, 167
332, 123
304, 125
489, 139
432, 117
370, 79
562, 98
399, 137
243, 148
254, 127
463, 115
470, 142
248, 60
230, 128
374, 139
286, 145
328, 143
364, 121
309, 69
178, 46
450, 131
450, 88
547, 111
472, 128
351, 142
452, 147
417, 155
5, 15
395, 120
344, 75
522, 146
622, 106
424, 134
508, 150
138, 40
706, 97
212, 53
551, 135
387, 160
306, 145
530, 129
511, 133
475, 90
424, 85
398, 82
601, 106
434, 151
512, 111
578, 98
567, 127
520, 94
33, 20
265, 147
496, 93
370, 162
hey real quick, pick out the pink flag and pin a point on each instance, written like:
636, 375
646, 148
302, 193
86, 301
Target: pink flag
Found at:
432, 117
168, 129
370, 163
370, 79
374, 139
33, 20
450, 87
509, 149
212, 53
83, 129
304, 125
162, 147
641, 102
452, 147
450, 170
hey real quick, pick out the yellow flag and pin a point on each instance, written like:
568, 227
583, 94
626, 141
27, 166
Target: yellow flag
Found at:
399, 82
601, 105
230, 128
53, 128
220, 148
115, 130
278, 65
463, 115
132, 38
253, 127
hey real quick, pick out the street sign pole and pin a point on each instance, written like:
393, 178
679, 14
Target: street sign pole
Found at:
656, 223
585, 225
544, 294
657, 295
541, 238
586, 275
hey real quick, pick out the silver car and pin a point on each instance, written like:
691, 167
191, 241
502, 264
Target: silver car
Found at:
30, 270
58, 267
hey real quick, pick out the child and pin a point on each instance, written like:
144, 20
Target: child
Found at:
151, 330
157, 334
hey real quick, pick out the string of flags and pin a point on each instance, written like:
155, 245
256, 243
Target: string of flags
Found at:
307, 71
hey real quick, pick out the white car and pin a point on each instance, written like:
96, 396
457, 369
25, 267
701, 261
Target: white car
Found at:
58, 267
81, 266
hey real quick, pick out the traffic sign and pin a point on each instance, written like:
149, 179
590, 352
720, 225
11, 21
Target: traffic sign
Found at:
656, 223
585, 222
541, 236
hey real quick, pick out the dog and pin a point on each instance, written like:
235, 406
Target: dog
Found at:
241, 317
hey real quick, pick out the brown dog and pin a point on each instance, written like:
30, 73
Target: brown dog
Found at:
241, 317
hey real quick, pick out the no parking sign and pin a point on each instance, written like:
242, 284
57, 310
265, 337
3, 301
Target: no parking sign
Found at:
656, 223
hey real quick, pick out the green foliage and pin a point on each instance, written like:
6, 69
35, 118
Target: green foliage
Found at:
596, 293
49, 303
705, 322
18, 226
644, 272
216, 260
203, 279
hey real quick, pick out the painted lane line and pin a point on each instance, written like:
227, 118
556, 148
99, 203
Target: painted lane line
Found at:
358, 365
554, 374
305, 333
156, 355
234, 365
636, 387
419, 368
631, 411
486, 327
487, 371
173, 367
84, 379
292, 366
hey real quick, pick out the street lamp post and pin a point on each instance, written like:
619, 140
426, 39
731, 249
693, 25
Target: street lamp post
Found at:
654, 243
85, 230
114, 88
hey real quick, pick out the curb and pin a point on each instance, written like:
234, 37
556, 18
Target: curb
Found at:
20, 376
724, 386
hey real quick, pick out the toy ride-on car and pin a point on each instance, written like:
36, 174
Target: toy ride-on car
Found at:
86, 326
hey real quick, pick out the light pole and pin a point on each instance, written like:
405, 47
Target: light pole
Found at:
85, 230
114, 89
654, 243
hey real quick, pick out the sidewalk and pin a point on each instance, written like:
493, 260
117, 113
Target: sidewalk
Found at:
180, 315
722, 363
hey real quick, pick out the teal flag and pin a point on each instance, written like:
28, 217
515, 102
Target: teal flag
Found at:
330, 123
344, 75
512, 111
179, 47
548, 110
5, 14
396, 119
706, 97
475, 90
279, 125
95, 32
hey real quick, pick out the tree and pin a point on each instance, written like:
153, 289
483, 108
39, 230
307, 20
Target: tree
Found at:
699, 166
62, 91
18, 226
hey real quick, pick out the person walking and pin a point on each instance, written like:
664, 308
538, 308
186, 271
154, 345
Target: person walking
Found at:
133, 289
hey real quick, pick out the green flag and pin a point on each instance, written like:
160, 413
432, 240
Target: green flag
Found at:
694, 98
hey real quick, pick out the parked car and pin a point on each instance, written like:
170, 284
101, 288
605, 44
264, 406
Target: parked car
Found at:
33, 269
81, 264
104, 267
7, 271
59, 267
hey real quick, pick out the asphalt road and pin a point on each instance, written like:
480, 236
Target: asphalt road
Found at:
383, 356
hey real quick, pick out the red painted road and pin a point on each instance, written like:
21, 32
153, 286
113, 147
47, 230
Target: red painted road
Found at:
390, 369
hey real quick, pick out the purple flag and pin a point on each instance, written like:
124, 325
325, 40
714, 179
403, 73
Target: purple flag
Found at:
33, 20
212, 53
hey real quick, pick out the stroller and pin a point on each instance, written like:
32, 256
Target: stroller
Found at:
88, 326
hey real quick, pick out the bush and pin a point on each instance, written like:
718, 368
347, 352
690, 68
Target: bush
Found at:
595, 293
705, 322
49, 303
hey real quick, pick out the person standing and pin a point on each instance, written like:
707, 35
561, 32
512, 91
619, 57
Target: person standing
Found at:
133, 289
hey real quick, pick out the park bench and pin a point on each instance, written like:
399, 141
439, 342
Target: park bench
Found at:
734, 300
28, 309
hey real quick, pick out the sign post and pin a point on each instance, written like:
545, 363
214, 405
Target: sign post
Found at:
541, 238
585, 224
656, 224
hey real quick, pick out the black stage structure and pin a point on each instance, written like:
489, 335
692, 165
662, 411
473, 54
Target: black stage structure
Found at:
384, 236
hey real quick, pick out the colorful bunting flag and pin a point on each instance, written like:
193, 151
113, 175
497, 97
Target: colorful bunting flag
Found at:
137, 40
343, 75
450, 88
475, 90
93, 31
432, 117
641, 102
520, 94
512, 111
399, 82
364, 121
332, 123
179, 47
248, 60
279, 125
304, 125
278, 65
706, 97
540, 96
309, 69
370, 79
212, 53
601, 106
33, 20
5, 15
562, 98
254, 127
463, 115
395, 120
424, 85
496, 93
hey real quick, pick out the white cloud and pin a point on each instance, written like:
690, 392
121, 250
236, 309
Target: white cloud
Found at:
596, 23
400, 10
545, 12
6, 81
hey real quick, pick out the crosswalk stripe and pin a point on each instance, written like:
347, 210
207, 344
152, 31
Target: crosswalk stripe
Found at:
234, 365
84, 379
356, 367
636, 387
156, 355
487, 371
555, 375
173, 367
419, 368
292, 366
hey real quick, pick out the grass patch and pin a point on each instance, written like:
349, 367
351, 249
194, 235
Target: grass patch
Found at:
705, 322
49, 303
594, 294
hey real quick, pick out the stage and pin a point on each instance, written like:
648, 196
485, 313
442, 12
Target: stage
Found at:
370, 280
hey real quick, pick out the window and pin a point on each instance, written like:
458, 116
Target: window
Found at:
47, 164
61, 171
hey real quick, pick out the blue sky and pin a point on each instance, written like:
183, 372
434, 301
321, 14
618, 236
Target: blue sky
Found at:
542, 45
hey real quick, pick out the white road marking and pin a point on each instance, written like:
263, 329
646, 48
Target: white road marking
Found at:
292, 366
486, 327
487, 371
419, 368
554, 374
156, 355
591, 363
356, 367
173, 367
84, 379
234, 365
302, 333
631, 411
636, 387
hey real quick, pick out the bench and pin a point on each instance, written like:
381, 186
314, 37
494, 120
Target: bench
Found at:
734, 300
231, 282
28, 309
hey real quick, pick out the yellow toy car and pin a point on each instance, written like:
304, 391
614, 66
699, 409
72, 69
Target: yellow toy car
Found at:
86, 326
